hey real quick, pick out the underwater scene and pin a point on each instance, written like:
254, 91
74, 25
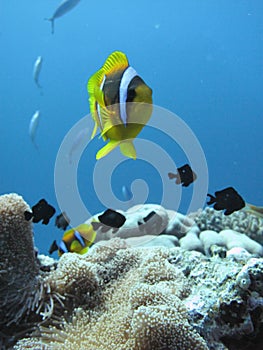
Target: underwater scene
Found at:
131, 202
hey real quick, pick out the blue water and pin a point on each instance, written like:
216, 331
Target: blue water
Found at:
203, 60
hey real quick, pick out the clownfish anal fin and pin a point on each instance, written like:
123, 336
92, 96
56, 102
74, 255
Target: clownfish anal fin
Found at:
107, 149
127, 149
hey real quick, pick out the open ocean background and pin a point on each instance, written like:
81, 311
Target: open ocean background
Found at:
203, 60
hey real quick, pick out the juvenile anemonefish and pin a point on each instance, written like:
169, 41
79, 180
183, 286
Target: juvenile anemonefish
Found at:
76, 240
120, 104
227, 199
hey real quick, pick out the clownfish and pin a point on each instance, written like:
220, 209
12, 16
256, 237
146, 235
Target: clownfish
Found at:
120, 104
75, 240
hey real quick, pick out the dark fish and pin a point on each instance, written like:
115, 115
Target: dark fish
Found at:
227, 199
53, 247
41, 211
63, 8
185, 175
62, 221
109, 219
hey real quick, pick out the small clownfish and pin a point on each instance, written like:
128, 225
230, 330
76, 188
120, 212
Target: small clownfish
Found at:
76, 240
120, 104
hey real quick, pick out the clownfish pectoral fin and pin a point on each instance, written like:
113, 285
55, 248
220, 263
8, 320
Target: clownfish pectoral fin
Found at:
107, 149
127, 149
99, 96
94, 89
84, 250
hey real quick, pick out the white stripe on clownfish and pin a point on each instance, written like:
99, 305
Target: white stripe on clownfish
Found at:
98, 106
79, 238
63, 247
127, 77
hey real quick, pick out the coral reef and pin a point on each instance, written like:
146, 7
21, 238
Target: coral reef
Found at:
24, 297
131, 299
242, 221
198, 285
228, 313
157, 298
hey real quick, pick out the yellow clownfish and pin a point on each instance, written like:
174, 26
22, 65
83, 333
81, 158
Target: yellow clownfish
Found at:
120, 104
76, 240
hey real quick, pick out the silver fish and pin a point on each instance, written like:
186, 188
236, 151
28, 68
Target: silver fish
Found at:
37, 69
79, 139
33, 127
63, 8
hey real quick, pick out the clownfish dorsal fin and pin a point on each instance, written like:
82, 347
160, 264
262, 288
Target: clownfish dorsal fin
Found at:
115, 62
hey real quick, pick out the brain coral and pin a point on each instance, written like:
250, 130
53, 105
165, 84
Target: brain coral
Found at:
139, 302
